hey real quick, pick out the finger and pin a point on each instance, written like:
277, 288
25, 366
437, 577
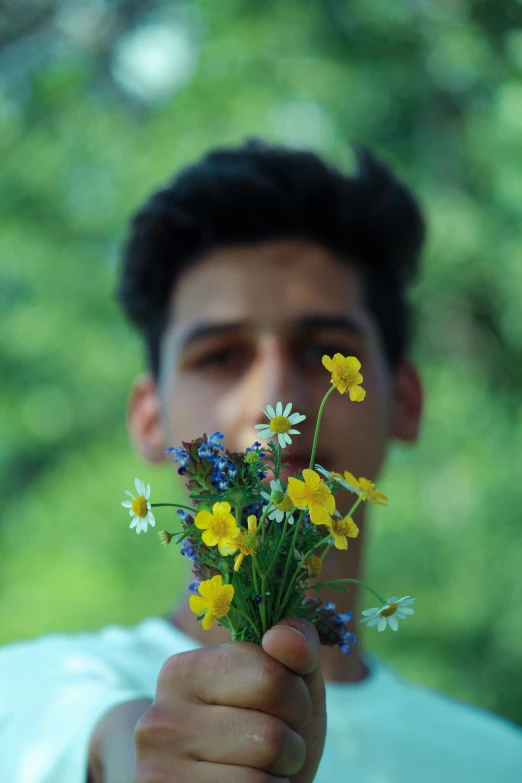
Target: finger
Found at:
224, 773
228, 735
294, 643
236, 674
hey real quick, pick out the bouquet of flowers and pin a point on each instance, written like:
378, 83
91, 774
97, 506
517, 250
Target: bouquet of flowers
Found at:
256, 552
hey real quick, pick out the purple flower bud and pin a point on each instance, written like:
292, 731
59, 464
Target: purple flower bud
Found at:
258, 599
193, 586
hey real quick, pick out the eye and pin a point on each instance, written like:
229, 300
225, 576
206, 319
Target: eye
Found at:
230, 358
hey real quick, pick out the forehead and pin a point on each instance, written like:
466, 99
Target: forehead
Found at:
274, 283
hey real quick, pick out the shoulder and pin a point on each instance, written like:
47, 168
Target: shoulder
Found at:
470, 738
420, 734
55, 688
114, 655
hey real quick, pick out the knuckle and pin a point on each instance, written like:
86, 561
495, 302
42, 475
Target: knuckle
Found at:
157, 727
273, 742
177, 668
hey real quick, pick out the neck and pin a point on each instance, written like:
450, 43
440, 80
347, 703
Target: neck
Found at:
336, 666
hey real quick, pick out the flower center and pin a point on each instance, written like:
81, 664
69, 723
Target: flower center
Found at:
285, 504
139, 506
218, 527
314, 565
392, 608
280, 424
248, 543
341, 527
318, 495
346, 374
219, 606
251, 458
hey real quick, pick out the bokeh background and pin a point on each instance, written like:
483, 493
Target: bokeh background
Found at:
100, 102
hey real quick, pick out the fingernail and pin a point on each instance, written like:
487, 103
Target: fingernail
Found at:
293, 625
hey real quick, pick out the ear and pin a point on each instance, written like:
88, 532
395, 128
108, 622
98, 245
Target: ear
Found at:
408, 403
144, 419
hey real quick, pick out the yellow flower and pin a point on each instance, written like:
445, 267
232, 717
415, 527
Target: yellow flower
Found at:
219, 526
346, 375
214, 600
342, 530
246, 541
313, 494
366, 488
314, 565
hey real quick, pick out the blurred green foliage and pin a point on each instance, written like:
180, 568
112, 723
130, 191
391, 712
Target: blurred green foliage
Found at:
99, 104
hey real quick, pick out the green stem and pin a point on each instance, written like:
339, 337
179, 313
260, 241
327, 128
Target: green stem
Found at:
319, 416
288, 561
297, 570
334, 582
247, 618
280, 543
355, 505
174, 505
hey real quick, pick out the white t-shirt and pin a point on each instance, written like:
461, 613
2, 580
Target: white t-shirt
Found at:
54, 689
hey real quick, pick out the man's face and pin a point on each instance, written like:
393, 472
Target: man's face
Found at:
248, 327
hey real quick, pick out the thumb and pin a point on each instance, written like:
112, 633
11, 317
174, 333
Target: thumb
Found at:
294, 643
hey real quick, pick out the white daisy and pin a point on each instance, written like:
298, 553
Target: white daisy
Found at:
396, 608
280, 424
281, 502
139, 507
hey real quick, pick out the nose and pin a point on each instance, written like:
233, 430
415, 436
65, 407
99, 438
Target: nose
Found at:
271, 377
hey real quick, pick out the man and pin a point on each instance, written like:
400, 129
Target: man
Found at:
241, 274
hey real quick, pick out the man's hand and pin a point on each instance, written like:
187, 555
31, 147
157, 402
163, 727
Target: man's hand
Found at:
237, 713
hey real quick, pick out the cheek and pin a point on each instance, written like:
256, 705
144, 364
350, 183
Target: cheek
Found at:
192, 410
355, 434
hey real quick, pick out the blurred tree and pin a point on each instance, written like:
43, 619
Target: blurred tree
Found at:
99, 103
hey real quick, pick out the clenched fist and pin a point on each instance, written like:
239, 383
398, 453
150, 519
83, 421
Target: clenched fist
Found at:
237, 713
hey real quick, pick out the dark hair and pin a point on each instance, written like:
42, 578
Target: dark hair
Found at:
258, 192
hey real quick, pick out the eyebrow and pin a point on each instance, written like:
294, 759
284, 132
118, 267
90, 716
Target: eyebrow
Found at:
307, 323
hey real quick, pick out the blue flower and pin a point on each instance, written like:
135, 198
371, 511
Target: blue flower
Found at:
348, 637
182, 515
193, 586
330, 607
342, 619
180, 455
220, 463
232, 472
214, 440
345, 649
189, 550
205, 451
